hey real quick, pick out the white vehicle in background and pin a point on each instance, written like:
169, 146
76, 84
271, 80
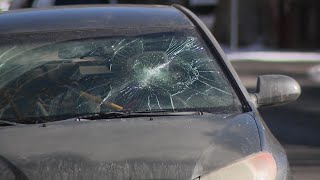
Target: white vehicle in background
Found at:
4, 5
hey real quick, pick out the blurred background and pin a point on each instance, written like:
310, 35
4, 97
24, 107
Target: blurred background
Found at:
260, 37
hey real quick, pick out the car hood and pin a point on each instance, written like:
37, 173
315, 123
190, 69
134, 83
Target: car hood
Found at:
182, 147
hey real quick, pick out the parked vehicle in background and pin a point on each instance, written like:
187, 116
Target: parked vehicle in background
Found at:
129, 92
4, 5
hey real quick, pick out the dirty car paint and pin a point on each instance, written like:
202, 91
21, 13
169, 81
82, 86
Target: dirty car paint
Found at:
186, 147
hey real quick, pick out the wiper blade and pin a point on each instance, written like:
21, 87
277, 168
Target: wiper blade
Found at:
8, 123
114, 115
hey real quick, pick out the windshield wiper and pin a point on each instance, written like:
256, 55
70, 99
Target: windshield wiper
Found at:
99, 116
114, 115
8, 123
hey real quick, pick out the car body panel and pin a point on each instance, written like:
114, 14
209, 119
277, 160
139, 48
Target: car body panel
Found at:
270, 144
164, 148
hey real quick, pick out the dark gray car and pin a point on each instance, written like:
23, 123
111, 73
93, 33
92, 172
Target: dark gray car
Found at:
129, 92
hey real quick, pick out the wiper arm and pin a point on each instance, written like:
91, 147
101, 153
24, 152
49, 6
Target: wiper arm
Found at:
114, 115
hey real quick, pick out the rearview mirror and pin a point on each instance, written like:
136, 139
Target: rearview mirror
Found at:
275, 90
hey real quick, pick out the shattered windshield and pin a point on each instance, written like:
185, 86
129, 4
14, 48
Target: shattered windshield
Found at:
169, 70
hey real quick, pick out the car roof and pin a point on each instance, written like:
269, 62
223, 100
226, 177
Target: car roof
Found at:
91, 17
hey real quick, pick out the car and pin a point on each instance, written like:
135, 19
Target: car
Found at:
129, 92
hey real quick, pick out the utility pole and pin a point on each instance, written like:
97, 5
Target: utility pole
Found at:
234, 23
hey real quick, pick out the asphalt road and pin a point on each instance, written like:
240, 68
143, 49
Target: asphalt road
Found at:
305, 172
304, 161
295, 125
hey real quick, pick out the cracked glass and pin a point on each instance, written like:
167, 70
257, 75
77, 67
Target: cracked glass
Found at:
47, 75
